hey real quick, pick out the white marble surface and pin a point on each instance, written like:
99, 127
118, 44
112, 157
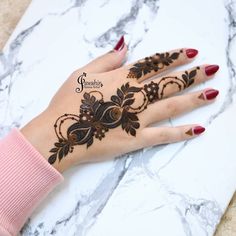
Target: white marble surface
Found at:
173, 190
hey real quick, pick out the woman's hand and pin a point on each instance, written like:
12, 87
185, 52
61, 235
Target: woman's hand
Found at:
104, 110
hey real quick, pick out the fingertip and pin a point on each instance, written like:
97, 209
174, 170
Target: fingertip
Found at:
121, 47
211, 69
123, 52
110, 60
120, 44
191, 53
195, 130
209, 94
118, 56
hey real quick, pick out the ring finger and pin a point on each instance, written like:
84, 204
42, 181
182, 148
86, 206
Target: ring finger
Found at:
158, 63
177, 105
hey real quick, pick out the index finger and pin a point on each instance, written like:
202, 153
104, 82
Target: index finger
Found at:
153, 65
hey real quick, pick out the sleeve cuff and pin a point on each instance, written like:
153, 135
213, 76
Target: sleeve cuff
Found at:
25, 180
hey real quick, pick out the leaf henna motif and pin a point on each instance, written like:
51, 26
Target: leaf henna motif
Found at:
97, 117
153, 63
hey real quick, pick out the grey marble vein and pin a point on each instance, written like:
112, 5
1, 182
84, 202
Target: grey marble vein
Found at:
8, 59
231, 25
95, 201
123, 25
112, 180
206, 213
230, 7
88, 207
112, 35
11, 65
74, 4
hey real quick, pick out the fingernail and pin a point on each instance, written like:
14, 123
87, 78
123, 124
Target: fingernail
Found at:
121, 43
195, 130
210, 70
191, 52
198, 130
211, 94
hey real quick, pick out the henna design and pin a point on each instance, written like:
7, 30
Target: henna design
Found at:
202, 96
97, 116
153, 63
155, 91
190, 132
95, 119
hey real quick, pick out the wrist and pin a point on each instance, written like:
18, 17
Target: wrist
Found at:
39, 132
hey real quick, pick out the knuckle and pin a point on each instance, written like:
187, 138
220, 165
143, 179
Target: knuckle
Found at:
163, 136
146, 139
180, 135
172, 107
196, 101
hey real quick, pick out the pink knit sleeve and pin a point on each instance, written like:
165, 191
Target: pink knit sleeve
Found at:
25, 179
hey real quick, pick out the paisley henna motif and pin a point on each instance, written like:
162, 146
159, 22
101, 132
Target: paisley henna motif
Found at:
97, 116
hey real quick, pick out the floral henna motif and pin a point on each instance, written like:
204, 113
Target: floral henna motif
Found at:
97, 117
153, 63
156, 91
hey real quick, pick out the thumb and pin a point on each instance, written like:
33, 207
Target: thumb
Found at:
109, 61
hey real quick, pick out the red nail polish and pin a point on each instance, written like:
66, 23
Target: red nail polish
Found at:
120, 44
211, 94
210, 70
198, 130
191, 52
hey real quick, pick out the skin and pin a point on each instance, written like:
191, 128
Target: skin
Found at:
108, 70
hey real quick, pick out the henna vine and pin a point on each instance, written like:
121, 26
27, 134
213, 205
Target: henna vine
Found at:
97, 116
153, 63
